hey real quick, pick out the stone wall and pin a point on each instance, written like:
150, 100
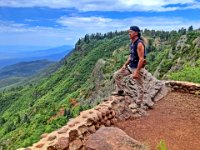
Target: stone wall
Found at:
187, 87
74, 134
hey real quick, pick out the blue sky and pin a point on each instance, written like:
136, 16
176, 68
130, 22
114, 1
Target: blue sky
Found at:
52, 23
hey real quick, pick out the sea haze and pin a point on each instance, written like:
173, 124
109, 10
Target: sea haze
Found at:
9, 55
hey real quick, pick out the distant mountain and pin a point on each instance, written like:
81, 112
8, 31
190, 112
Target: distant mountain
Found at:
14, 74
9, 57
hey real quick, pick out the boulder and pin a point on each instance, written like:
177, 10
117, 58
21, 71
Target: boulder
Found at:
112, 138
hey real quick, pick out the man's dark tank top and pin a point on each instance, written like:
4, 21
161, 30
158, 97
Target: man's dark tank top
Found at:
133, 53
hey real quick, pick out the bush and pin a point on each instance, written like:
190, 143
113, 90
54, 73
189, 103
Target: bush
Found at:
190, 74
161, 145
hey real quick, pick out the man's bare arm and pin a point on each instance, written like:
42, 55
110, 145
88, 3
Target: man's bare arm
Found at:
140, 51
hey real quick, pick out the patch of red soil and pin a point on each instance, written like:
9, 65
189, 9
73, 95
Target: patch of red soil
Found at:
174, 119
59, 113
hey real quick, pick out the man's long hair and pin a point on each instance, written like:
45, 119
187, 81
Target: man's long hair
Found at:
145, 41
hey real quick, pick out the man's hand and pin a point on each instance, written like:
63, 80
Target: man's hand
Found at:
136, 74
123, 67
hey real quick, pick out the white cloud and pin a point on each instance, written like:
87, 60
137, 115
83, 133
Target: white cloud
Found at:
30, 20
104, 5
75, 27
100, 24
20, 34
88, 24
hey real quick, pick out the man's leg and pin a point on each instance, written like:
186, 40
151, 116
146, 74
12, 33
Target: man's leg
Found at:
118, 76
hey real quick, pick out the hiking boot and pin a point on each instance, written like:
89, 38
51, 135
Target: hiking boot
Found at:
119, 93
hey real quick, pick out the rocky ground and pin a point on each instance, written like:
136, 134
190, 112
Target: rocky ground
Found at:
174, 119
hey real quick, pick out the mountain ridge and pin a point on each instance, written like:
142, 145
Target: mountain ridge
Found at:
17, 73
52, 54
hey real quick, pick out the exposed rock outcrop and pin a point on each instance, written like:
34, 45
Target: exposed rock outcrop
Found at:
181, 43
196, 42
149, 88
112, 138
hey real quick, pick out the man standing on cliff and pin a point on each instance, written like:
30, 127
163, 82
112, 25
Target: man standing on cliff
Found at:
134, 64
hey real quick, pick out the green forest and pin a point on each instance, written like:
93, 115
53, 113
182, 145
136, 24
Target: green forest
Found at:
34, 108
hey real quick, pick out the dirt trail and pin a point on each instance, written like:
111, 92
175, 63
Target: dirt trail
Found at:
175, 119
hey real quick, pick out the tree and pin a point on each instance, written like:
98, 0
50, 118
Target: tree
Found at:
2, 121
190, 28
98, 36
67, 113
87, 38
18, 119
26, 119
110, 35
81, 108
10, 127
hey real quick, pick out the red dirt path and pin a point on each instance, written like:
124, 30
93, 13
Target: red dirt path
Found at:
175, 119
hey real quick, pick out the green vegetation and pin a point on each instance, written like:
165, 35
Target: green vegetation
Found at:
161, 145
188, 73
28, 111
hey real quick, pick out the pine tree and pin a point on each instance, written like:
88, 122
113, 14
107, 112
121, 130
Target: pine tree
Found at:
190, 28
18, 119
2, 121
86, 38
26, 119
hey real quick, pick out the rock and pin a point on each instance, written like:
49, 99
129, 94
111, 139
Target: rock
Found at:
108, 123
72, 135
113, 121
181, 42
134, 111
142, 112
75, 145
162, 93
27, 149
144, 89
110, 116
51, 148
133, 106
44, 135
112, 138
92, 129
196, 42
51, 137
113, 113
39, 145
62, 143
197, 93
192, 92
83, 129
61, 131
